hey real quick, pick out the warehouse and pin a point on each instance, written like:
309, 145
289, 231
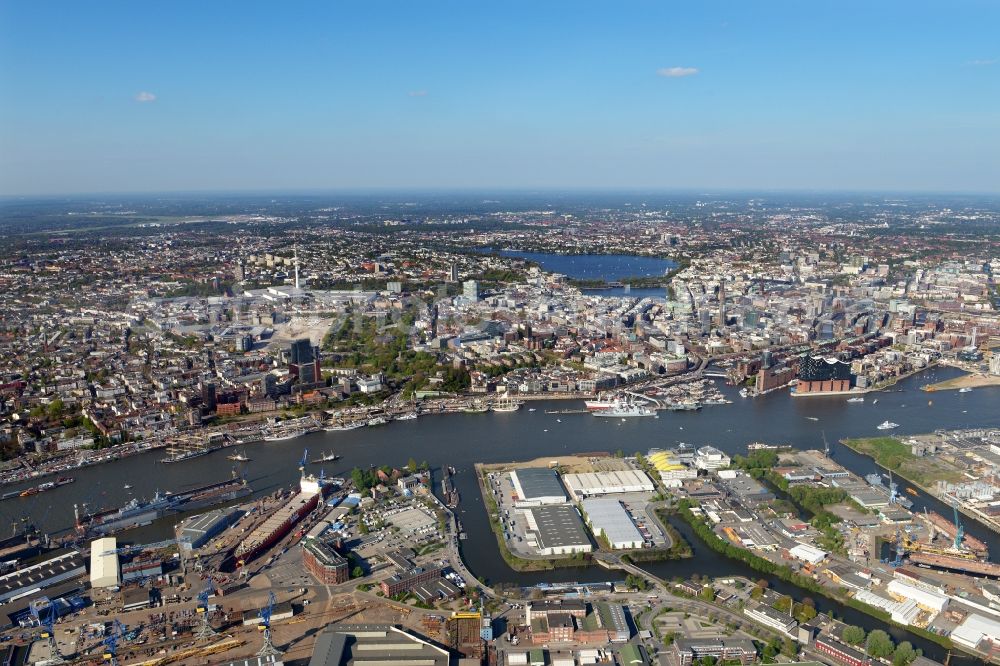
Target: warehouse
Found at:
807, 553
384, 644
557, 530
607, 483
104, 570
536, 486
975, 629
929, 601
198, 530
39, 576
609, 519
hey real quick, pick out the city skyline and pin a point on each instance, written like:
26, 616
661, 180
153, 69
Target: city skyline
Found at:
124, 98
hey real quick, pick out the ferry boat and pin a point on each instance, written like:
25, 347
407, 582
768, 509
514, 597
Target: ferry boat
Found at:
326, 457
600, 404
887, 425
856, 400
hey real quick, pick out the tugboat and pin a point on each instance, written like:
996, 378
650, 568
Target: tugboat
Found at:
326, 457
238, 457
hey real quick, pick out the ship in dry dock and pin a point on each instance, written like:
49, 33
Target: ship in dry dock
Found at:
276, 526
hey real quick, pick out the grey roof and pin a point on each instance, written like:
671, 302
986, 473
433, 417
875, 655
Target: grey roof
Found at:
559, 525
609, 516
342, 644
539, 482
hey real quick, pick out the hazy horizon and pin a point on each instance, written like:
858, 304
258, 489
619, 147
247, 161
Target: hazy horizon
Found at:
125, 97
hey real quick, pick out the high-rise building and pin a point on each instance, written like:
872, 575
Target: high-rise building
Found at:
470, 290
722, 303
303, 361
453, 273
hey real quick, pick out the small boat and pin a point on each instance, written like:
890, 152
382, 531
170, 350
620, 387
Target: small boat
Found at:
377, 421
238, 457
887, 425
911, 491
856, 400
965, 389
531, 409
127, 487
812, 418
326, 457
875, 401
409, 416
280, 437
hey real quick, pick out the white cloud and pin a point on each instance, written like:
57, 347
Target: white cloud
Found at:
676, 72
145, 97
417, 93
982, 62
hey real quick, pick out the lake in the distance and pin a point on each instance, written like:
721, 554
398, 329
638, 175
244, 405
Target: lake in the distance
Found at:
609, 267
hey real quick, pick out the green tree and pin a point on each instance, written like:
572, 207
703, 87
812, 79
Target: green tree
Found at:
789, 648
411, 466
707, 593
853, 635
357, 572
903, 654
879, 645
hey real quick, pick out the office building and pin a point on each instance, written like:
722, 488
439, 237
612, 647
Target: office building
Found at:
324, 563
470, 290
303, 362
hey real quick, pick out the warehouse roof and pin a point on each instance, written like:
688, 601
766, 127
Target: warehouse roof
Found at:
610, 517
537, 482
345, 645
558, 525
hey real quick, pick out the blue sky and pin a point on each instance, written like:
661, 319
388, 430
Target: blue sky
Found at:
142, 96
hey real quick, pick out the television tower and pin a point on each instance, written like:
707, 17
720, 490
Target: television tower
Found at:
296, 251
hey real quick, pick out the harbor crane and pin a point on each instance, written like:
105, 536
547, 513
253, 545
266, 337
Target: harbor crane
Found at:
900, 548
959, 528
205, 631
304, 461
111, 643
45, 612
267, 650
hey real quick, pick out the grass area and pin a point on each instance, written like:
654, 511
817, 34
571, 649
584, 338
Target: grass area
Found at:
891, 453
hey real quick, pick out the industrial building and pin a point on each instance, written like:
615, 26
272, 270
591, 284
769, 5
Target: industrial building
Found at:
771, 618
42, 575
687, 650
975, 629
536, 486
933, 602
556, 530
104, 569
324, 563
607, 483
609, 519
384, 644
198, 530
709, 458
405, 580
807, 553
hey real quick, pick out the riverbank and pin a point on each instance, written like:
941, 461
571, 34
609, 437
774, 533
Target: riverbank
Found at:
893, 454
971, 380
883, 453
